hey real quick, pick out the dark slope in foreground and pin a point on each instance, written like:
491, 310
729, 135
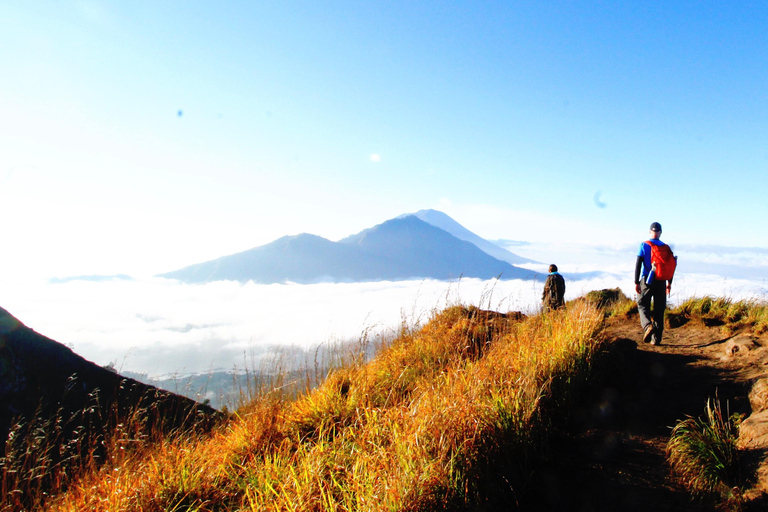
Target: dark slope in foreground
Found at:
401, 248
614, 458
41, 380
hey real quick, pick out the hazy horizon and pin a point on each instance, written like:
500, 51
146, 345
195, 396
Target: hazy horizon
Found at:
161, 327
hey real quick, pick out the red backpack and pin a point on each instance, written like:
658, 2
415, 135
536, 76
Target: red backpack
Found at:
663, 261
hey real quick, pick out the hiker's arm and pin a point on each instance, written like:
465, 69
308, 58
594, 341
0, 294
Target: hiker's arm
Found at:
638, 266
669, 286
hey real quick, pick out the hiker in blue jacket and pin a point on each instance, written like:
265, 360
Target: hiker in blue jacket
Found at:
651, 320
554, 290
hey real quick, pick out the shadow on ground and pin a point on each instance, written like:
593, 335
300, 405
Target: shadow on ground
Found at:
613, 456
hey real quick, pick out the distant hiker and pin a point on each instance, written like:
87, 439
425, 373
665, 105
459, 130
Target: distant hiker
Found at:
554, 290
654, 270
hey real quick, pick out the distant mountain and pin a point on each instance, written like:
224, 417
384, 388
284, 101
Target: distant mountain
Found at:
401, 248
301, 258
415, 248
446, 223
91, 278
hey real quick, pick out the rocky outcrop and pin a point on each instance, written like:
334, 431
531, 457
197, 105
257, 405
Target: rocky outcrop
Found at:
740, 345
753, 433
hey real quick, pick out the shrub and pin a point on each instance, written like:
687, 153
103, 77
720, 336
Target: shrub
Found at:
612, 301
703, 455
724, 312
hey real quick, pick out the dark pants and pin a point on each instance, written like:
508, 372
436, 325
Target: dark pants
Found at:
656, 292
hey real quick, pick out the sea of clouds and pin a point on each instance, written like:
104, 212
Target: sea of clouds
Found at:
163, 327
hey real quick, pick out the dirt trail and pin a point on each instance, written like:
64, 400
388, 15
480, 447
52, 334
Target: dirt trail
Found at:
615, 458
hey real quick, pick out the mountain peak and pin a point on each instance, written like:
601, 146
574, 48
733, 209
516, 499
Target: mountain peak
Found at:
446, 223
405, 247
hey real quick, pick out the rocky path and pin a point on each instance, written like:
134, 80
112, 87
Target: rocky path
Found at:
614, 460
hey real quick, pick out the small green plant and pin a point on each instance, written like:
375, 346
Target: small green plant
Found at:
703, 455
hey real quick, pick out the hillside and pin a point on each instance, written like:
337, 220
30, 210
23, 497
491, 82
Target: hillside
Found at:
38, 372
56, 407
428, 423
478, 410
402, 248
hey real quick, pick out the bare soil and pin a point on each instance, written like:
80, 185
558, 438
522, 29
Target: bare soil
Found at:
613, 458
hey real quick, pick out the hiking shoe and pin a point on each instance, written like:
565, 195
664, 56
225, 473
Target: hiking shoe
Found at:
648, 334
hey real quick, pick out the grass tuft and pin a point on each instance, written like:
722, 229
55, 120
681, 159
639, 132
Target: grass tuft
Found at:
612, 301
730, 315
702, 452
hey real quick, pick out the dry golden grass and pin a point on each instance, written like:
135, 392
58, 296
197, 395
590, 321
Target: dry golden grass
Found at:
45, 454
730, 315
612, 301
447, 415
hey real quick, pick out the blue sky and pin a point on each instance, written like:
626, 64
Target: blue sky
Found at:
141, 137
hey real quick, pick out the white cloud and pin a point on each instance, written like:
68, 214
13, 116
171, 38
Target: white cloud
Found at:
746, 256
159, 326
213, 325
375, 158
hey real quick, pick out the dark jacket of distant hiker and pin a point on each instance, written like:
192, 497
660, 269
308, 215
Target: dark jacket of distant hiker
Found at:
554, 290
